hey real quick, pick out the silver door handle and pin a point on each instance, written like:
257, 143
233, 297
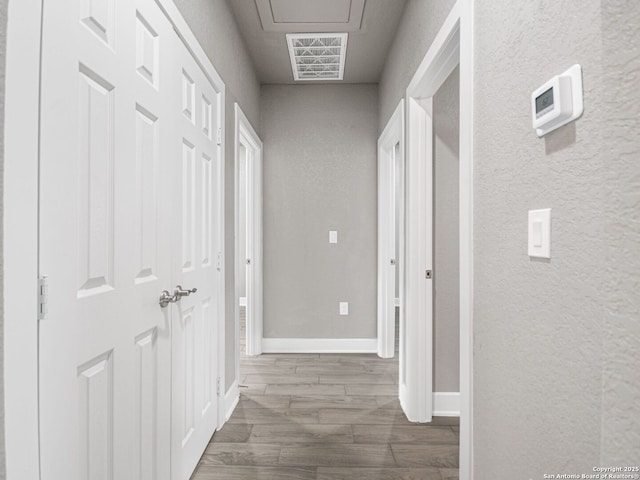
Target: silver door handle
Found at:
180, 292
166, 298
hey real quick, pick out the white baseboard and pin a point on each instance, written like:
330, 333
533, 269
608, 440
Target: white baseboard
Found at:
231, 399
242, 301
446, 404
319, 345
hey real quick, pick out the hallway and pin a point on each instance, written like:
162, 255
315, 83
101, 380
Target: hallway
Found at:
326, 417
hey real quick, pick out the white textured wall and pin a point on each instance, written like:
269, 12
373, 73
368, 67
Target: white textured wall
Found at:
214, 26
319, 175
557, 363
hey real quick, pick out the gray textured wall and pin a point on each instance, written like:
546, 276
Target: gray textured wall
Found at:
3, 50
620, 150
418, 27
446, 250
556, 343
319, 175
215, 28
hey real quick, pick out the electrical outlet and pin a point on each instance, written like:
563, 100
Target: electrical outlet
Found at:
344, 308
333, 236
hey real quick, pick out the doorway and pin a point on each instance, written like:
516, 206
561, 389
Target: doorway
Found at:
452, 48
248, 245
390, 233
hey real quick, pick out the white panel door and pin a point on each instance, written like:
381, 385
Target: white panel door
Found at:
197, 241
105, 357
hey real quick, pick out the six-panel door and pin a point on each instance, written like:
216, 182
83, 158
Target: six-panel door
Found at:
197, 174
111, 80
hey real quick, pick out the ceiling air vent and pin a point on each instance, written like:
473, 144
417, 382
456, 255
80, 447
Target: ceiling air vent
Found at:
317, 56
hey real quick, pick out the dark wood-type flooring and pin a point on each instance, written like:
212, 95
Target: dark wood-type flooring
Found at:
326, 417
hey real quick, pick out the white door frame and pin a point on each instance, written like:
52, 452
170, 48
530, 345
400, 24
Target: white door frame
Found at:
21, 140
246, 134
452, 46
392, 135
20, 248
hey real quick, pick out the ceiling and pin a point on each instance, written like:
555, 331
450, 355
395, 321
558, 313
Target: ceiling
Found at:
371, 25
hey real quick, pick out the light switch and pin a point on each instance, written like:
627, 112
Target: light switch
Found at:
540, 233
344, 308
333, 236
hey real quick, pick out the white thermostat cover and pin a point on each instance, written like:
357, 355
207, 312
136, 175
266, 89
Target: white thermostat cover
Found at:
558, 101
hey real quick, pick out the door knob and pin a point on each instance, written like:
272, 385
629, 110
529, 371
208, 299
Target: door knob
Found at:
166, 298
180, 292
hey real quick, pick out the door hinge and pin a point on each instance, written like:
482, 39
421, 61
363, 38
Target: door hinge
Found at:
219, 137
43, 296
428, 274
218, 386
219, 262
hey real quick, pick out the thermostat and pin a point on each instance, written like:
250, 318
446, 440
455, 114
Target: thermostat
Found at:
557, 102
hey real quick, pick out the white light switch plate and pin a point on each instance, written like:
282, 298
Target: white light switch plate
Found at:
344, 308
540, 233
333, 236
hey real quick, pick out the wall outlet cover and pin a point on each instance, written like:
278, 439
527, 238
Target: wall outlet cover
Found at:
344, 308
333, 236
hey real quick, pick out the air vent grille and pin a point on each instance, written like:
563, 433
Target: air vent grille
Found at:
317, 56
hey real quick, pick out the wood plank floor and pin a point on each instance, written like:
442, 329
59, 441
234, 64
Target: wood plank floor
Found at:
326, 417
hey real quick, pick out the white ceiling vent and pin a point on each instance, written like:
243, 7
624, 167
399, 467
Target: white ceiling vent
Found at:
317, 56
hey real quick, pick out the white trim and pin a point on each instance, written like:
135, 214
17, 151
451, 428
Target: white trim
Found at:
231, 399
441, 58
20, 255
438, 63
466, 237
245, 133
319, 345
392, 134
191, 42
455, 39
446, 404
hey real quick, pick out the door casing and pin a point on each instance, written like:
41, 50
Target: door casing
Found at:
392, 135
453, 45
246, 135
20, 248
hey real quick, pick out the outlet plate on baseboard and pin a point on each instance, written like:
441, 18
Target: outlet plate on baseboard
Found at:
344, 308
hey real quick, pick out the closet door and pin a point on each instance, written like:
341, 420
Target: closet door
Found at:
197, 240
106, 183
